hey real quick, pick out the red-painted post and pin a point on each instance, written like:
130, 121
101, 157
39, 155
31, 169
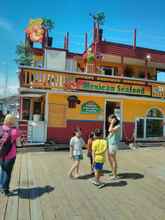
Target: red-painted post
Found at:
86, 41
65, 46
67, 40
134, 41
146, 69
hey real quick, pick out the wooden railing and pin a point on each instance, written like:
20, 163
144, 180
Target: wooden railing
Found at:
51, 79
45, 79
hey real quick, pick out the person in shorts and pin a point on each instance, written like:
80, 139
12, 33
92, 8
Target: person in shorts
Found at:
113, 142
76, 145
89, 150
99, 147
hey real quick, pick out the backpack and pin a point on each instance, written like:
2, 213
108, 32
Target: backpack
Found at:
5, 143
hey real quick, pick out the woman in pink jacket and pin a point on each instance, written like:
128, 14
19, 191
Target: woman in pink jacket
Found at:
8, 152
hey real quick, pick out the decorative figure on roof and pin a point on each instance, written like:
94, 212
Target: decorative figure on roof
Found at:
90, 61
35, 30
90, 56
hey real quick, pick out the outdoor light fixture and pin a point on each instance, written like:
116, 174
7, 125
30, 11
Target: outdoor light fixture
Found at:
148, 57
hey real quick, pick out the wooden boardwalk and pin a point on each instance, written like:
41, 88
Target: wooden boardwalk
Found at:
42, 190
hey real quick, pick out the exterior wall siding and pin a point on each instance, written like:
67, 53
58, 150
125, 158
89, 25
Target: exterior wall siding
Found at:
63, 135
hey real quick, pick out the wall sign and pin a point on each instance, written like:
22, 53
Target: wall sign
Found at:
114, 87
90, 107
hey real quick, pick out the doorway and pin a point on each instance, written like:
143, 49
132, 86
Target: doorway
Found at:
112, 107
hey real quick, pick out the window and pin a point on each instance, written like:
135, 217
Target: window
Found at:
154, 128
161, 76
151, 126
154, 112
111, 71
154, 123
26, 109
140, 128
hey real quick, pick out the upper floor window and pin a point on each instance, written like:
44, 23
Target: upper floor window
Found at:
161, 76
155, 113
110, 71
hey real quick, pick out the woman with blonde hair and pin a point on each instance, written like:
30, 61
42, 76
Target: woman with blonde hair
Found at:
7, 151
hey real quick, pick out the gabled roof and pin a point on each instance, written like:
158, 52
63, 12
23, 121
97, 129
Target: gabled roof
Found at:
129, 51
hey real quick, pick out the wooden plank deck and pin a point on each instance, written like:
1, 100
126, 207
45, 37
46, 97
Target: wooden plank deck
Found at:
42, 190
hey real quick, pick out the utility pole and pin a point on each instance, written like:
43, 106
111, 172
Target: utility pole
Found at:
6, 79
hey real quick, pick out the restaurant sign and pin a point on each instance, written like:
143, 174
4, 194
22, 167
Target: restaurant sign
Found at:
113, 87
90, 107
158, 91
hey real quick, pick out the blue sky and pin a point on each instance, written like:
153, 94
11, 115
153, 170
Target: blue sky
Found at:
73, 16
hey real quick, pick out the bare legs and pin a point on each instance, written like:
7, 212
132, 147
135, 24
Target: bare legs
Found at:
97, 175
74, 169
113, 163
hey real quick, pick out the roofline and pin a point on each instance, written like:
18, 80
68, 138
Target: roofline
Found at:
131, 47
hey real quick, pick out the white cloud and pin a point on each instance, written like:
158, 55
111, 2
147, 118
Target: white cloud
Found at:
6, 25
10, 90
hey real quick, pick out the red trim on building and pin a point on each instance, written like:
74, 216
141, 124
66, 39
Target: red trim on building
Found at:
23, 126
128, 131
63, 135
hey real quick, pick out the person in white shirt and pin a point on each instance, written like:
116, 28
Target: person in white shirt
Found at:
76, 153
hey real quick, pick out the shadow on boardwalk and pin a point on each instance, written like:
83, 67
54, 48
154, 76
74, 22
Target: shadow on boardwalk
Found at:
31, 193
116, 184
133, 176
89, 175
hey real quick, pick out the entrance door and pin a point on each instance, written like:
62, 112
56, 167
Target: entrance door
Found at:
140, 128
112, 107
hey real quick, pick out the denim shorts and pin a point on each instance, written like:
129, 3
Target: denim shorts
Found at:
77, 157
99, 166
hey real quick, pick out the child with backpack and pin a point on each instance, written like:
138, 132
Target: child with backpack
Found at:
99, 147
7, 152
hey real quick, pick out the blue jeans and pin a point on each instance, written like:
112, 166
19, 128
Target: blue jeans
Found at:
5, 173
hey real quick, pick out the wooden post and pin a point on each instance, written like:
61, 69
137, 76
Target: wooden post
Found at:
122, 66
65, 46
42, 106
86, 41
31, 108
21, 107
67, 40
94, 32
146, 69
134, 41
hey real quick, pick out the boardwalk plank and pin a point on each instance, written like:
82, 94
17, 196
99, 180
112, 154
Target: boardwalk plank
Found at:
23, 193
35, 207
12, 206
131, 197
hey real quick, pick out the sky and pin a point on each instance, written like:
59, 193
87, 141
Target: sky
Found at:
73, 16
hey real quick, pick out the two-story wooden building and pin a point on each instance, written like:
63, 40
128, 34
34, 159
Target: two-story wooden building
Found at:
65, 90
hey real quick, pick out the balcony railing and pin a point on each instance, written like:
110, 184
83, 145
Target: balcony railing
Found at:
38, 78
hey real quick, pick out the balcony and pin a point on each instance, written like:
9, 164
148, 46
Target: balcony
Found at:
37, 78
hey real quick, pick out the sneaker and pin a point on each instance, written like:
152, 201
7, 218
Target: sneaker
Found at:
95, 182
76, 176
114, 178
101, 185
9, 193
